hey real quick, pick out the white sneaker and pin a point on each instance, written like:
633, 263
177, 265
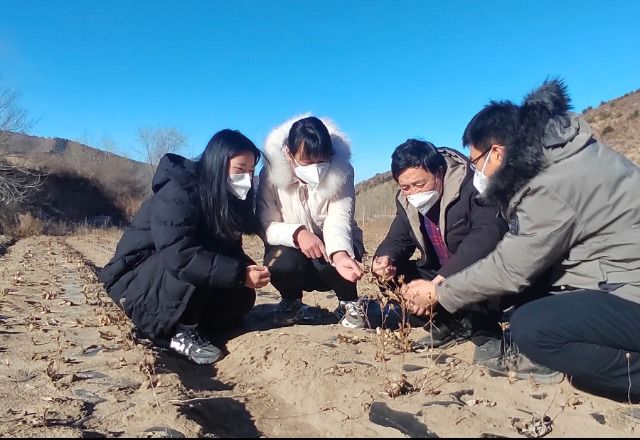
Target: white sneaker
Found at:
353, 317
195, 348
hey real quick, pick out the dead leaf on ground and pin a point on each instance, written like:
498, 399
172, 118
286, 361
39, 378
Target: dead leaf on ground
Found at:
109, 336
534, 428
483, 402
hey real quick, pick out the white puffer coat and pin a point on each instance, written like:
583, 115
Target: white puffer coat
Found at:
285, 204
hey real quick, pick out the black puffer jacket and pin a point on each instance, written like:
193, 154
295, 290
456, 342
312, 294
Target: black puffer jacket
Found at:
163, 257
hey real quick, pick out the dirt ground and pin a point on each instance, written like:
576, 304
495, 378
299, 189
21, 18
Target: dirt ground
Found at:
72, 366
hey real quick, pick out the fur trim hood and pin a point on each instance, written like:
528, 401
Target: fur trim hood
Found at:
548, 133
280, 173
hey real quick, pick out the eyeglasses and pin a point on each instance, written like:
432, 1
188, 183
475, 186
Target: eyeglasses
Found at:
474, 162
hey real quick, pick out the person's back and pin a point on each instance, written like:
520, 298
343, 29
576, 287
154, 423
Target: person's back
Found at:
599, 189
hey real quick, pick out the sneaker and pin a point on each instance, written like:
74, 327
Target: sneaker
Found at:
353, 316
289, 312
446, 334
516, 365
192, 346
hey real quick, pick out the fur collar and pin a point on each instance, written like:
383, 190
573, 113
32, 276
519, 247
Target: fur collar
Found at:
544, 107
280, 173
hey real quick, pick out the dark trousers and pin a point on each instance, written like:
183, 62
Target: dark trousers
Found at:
292, 273
484, 316
218, 308
592, 336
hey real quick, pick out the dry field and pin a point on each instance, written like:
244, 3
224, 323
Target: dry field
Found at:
72, 366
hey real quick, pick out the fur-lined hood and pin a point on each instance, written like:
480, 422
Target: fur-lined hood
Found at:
280, 172
548, 133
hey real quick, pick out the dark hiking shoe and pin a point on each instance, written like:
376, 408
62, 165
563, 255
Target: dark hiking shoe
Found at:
492, 349
289, 312
515, 365
632, 411
192, 346
445, 334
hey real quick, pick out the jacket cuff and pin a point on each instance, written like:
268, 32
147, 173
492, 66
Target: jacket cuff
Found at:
241, 277
281, 234
445, 298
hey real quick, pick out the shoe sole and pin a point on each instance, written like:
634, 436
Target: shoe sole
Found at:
443, 346
345, 323
546, 379
171, 352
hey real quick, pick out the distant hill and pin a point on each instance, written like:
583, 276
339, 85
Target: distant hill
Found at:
78, 183
53, 155
615, 123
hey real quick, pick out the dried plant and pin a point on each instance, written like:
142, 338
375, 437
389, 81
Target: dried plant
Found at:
275, 258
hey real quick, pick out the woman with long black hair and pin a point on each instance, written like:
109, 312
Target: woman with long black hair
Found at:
181, 261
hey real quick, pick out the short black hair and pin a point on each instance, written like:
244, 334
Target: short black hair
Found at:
314, 135
416, 154
495, 124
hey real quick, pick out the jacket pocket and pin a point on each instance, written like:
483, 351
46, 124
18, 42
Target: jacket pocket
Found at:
631, 276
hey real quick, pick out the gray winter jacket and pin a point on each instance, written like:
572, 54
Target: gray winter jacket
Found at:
579, 216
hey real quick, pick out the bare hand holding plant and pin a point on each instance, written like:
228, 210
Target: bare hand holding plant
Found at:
383, 268
347, 267
257, 277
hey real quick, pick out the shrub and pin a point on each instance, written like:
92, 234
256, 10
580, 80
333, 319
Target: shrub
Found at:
607, 129
27, 226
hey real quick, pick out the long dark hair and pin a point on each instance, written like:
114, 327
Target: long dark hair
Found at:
225, 216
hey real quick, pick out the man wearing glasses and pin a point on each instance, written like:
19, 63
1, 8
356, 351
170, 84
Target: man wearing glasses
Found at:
437, 214
573, 206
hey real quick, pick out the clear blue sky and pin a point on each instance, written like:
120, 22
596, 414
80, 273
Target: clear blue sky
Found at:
384, 71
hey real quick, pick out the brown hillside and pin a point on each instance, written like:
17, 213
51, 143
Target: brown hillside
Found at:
76, 183
615, 123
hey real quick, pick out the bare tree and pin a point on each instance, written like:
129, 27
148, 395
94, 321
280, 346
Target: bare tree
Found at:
16, 184
156, 142
13, 118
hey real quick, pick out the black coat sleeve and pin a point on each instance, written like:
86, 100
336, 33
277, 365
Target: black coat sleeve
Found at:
487, 230
398, 244
173, 227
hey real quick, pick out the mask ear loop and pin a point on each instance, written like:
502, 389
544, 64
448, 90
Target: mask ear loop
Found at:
486, 161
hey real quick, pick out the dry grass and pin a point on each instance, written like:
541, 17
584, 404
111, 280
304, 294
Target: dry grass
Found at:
26, 226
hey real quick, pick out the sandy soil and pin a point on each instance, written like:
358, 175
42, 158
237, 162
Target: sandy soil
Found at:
72, 366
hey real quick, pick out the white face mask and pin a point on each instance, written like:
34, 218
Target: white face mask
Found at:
424, 201
239, 184
480, 179
312, 174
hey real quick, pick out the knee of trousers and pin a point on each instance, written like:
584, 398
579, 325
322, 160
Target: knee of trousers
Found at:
288, 261
525, 328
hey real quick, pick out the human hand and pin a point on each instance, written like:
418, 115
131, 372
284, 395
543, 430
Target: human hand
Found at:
347, 267
310, 244
383, 268
421, 296
257, 277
